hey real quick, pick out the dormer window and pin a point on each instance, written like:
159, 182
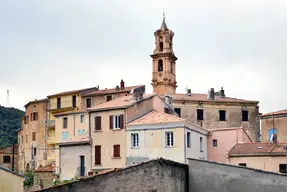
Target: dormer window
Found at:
160, 65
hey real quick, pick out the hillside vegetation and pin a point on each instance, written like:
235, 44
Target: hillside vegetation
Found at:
9, 123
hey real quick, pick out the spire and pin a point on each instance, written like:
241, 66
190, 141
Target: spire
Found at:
163, 25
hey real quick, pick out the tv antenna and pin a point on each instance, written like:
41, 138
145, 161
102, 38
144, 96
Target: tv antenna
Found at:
7, 99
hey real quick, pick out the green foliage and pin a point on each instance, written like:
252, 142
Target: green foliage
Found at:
9, 123
29, 178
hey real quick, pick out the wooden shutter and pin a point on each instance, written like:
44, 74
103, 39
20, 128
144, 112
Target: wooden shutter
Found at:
111, 121
121, 121
117, 151
98, 123
97, 155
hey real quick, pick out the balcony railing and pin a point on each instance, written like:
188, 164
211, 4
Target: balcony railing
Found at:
50, 123
81, 171
62, 105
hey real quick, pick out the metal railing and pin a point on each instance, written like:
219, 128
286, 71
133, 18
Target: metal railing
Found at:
50, 123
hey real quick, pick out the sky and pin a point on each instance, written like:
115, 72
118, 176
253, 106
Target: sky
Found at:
53, 46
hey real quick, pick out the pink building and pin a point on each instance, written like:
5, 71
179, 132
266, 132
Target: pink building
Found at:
221, 141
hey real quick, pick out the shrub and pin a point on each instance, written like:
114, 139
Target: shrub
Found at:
29, 178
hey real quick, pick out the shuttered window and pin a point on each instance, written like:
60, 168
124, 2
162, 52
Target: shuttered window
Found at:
117, 121
98, 155
117, 151
33, 136
98, 123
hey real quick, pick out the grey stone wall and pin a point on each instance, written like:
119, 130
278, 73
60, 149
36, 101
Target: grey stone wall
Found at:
207, 176
153, 176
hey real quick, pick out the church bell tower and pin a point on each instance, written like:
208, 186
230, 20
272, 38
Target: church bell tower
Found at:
163, 62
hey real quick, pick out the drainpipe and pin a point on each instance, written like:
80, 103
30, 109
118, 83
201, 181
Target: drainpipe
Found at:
91, 141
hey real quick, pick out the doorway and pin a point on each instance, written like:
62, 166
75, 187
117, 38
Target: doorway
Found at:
82, 165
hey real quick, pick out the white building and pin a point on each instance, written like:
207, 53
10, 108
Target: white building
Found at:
158, 134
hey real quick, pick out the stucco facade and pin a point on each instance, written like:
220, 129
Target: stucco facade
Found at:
31, 136
221, 141
10, 181
276, 120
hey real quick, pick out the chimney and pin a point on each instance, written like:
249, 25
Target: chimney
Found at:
188, 92
117, 88
168, 100
98, 87
211, 94
221, 93
122, 84
138, 93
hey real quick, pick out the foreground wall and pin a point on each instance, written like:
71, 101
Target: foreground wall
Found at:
10, 181
208, 176
156, 175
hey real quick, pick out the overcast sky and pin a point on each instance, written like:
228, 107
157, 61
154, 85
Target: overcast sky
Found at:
52, 46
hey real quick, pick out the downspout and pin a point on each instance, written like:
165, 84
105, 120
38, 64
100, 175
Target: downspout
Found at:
91, 141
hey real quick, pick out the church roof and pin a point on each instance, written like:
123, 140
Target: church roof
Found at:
163, 25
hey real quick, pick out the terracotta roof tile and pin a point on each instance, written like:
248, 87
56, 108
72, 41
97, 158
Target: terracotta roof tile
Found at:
36, 101
109, 91
71, 112
280, 112
72, 91
203, 97
121, 102
46, 168
77, 139
155, 117
256, 148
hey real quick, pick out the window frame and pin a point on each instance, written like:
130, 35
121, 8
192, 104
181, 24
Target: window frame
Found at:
214, 142
117, 151
197, 114
33, 136
109, 96
188, 140
245, 118
82, 118
179, 110
90, 102
201, 144
169, 139
74, 101
221, 114
117, 122
134, 140
5, 160
65, 126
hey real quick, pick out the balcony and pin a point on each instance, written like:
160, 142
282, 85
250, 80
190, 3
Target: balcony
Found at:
50, 123
61, 106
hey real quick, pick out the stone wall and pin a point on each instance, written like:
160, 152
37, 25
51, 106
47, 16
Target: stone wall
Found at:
153, 176
47, 178
214, 177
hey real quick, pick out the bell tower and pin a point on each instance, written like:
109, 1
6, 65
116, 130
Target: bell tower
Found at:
163, 62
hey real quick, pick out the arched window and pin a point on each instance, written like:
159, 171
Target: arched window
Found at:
171, 67
161, 46
160, 65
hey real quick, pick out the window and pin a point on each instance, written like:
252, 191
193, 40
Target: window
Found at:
65, 122
282, 168
6, 159
109, 98
222, 115
116, 121
160, 65
33, 136
117, 151
98, 155
34, 151
166, 110
135, 140
89, 102
65, 135
59, 103
161, 46
26, 119
82, 117
201, 144
169, 139
199, 114
244, 115
214, 142
34, 116
74, 100
98, 123
188, 139
242, 164
177, 110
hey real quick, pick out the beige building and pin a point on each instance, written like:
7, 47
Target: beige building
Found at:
264, 156
9, 160
221, 141
158, 134
31, 136
273, 126
10, 181
210, 111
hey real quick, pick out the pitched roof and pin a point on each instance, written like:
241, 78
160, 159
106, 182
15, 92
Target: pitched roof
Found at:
204, 97
71, 92
110, 91
9, 149
119, 103
248, 149
46, 168
71, 112
7, 170
83, 139
280, 112
36, 101
155, 117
